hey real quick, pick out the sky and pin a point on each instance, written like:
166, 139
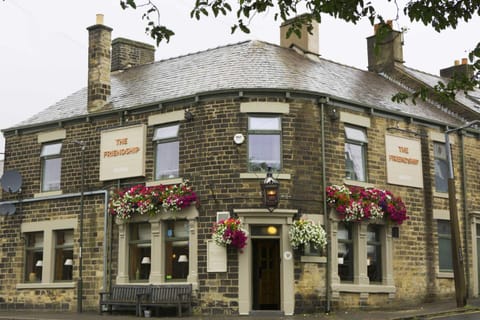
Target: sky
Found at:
44, 44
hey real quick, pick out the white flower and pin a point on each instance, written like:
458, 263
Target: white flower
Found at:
304, 232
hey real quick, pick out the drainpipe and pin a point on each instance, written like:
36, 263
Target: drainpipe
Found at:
465, 209
326, 221
105, 241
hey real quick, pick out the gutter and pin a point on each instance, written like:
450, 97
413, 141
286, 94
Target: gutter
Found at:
74, 195
239, 93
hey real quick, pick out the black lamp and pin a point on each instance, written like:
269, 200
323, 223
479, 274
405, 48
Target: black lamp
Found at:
270, 193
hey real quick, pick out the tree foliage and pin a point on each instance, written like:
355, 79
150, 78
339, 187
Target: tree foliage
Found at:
438, 14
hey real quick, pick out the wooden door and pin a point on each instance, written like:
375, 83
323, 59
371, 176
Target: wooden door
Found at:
266, 274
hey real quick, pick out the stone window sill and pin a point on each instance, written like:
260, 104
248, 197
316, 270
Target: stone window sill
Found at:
46, 285
445, 275
164, 182
356, 183
48, 194
363, 288
261, 175
313, 259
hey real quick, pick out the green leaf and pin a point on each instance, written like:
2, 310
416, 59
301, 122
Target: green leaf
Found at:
132, 4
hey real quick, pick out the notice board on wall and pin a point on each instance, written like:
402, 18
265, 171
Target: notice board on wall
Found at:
216, 257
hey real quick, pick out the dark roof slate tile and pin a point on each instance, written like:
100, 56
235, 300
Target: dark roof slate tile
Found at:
245, 65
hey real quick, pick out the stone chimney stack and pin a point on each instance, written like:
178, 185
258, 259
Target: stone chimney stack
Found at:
385, 49
307, 42
458, 70
128, 53
99, 43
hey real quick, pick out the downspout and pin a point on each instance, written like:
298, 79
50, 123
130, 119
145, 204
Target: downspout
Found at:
465, 209
105, 242
326, 221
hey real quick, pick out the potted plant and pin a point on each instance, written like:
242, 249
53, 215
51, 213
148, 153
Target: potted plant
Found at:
303, 232
229, 232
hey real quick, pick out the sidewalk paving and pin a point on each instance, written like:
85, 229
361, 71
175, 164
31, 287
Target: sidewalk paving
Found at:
423, 311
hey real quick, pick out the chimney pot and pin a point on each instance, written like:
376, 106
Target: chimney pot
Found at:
459, 69
99, 19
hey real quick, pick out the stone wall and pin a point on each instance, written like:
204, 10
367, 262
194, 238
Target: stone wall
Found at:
212, 162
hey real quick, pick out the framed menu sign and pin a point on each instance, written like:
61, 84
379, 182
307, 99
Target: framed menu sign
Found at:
216, 257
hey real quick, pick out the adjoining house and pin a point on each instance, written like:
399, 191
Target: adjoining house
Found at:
123, 181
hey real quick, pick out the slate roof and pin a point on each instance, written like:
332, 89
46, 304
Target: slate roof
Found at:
471, 99
245, 65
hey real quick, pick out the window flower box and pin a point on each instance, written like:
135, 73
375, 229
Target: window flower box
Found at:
355, 204
150, 201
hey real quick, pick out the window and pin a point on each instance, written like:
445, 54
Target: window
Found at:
63, 255
139, 251
48, 253
176, 250
374, 253
441, 167
345, 252
355, 153
167, 152
264, 143
34, 256
444, 246
362, 250
51, 166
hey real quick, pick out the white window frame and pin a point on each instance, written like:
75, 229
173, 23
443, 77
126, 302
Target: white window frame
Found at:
356, 169
51, 152
274, 131
163, 139
442, 158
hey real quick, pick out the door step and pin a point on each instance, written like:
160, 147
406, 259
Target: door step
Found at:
267, 313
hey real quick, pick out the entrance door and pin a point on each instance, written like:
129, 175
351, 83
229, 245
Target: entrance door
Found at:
266, 274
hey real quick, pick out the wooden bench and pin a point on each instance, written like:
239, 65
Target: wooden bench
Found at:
178, 295
123, 295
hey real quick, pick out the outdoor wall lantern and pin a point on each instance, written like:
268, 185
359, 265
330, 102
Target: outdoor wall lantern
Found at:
270, 188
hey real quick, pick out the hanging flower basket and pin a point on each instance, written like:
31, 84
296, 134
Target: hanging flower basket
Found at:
355, 204
229, 232
303, 232
150, 201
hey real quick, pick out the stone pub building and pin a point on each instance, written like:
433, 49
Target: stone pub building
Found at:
215, 121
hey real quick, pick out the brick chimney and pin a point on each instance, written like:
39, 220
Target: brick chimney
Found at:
128, 53
99, 42
386, 50
307, 42
458, 70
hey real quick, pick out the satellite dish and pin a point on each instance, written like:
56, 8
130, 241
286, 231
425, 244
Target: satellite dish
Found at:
11, 181
7, 209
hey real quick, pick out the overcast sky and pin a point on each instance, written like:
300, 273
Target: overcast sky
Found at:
43, 45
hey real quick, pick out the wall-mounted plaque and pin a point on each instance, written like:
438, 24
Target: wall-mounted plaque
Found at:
216, 257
